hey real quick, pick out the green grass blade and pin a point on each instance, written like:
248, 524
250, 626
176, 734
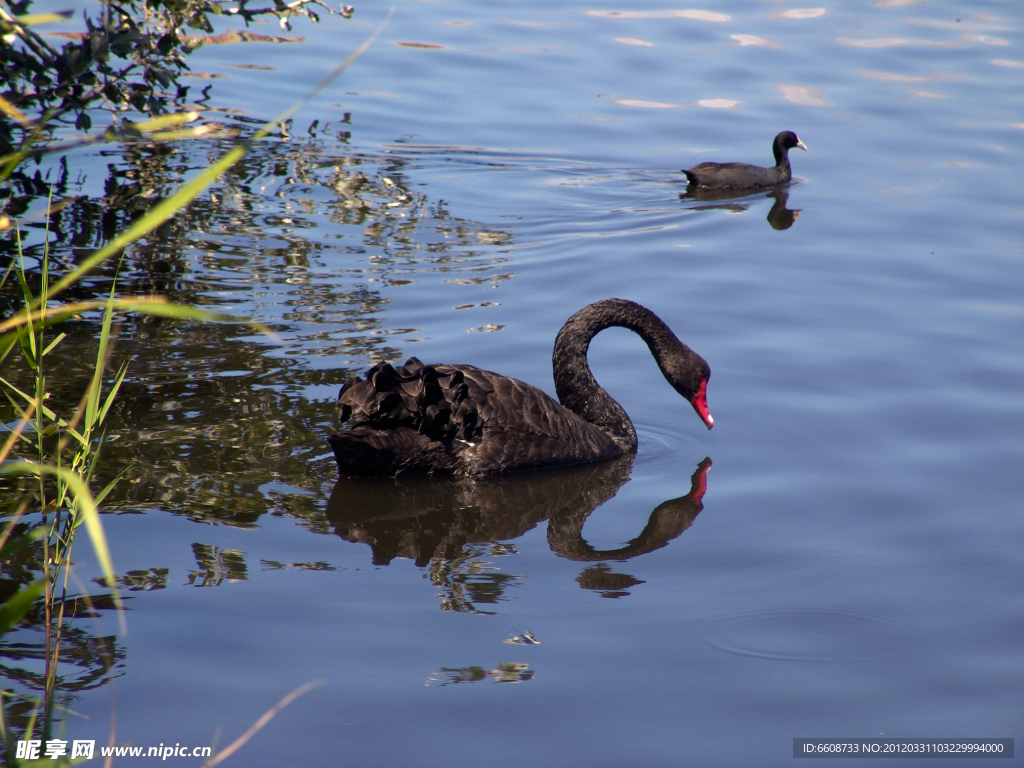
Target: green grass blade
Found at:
46, 411
166, 121
113, 393
54, 343
35, 19
109, 487
7, 342
92, 406
27, 340
151, 305
15, 608
7, 273
24, 420
86, 509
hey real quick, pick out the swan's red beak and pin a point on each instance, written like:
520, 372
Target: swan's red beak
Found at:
700, 404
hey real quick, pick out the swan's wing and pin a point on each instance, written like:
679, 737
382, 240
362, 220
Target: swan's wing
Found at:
481, 421
524, 428
430, 400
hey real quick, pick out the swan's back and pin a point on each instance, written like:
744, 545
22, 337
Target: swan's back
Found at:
457, 419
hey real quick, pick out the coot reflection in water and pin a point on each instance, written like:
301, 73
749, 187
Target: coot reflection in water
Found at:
779, 217
423, 518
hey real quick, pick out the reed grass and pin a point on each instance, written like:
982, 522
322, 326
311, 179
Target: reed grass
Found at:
56, 456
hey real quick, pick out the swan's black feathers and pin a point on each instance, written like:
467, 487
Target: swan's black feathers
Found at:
433, 403
461, 420
456, 419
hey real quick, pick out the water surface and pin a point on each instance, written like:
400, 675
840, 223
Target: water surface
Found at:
853, 568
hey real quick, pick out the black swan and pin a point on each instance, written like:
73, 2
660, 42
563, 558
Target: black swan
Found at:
743, 176
460, 420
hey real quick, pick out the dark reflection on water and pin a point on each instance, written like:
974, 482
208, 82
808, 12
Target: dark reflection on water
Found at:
88, 659
217, 565
667, 521
449, 526
308, 238
602, 579
301, 235
779, 217
506, 672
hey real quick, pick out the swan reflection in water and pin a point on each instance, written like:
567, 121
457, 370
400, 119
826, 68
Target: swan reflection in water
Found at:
450, 526
779, 217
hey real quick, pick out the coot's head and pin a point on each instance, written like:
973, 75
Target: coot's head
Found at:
788, 140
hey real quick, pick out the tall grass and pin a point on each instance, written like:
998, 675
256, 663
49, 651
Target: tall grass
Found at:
55, 456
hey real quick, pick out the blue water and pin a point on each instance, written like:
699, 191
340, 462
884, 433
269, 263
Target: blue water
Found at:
856, 567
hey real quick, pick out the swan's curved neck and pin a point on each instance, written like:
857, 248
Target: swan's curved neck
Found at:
575, 384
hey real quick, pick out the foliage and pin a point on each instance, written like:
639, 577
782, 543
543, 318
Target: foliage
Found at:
129, 57
59, 455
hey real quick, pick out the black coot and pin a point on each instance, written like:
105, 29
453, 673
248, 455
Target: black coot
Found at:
743, 176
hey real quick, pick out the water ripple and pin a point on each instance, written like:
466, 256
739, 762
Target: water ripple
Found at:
814, 634
699, 15
661, 445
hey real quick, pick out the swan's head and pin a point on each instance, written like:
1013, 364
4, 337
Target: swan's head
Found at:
688, 373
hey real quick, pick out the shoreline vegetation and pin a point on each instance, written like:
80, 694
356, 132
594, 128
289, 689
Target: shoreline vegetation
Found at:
128, 59
52, 458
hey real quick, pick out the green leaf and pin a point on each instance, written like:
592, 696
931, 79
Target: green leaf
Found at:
167, 121
46, 411
113, 393
109, 487
53, 344
86, 509
35, 19
15, 608
28, 347
18, 543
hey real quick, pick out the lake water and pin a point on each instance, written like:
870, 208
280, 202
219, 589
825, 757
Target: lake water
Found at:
480, 174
